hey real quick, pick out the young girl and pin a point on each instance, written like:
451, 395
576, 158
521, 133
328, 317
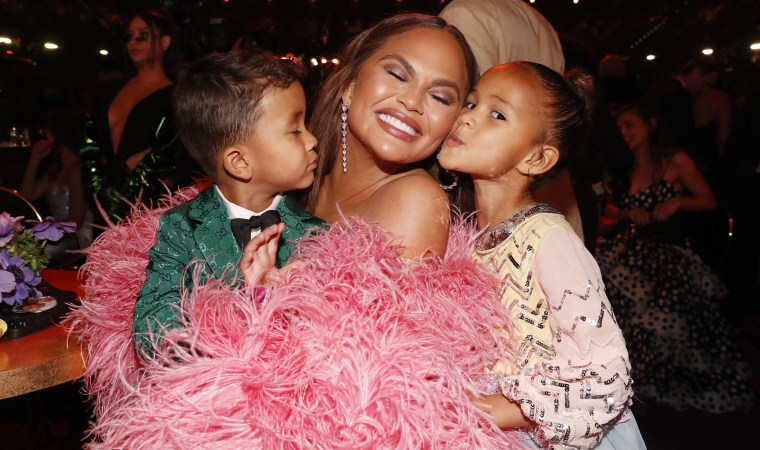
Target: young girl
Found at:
569, 380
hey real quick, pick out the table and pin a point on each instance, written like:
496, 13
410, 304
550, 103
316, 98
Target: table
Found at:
45, 358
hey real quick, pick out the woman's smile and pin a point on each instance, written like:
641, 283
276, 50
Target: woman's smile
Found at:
399, 125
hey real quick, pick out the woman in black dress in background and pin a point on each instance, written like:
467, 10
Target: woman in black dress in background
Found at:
133, 146
666, 299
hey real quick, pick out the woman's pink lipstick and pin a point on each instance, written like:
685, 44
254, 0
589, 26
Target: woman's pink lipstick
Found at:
397, 132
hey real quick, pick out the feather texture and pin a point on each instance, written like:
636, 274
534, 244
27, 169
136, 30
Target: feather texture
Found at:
357, 349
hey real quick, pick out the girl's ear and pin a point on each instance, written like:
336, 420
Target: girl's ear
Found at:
166, 41
235, 163
653, 123
539, 161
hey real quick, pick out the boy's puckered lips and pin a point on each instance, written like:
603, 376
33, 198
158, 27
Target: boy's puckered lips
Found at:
313, 165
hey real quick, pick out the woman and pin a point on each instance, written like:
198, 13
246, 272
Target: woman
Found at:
132, 120
397, 93
665, 297
54, 172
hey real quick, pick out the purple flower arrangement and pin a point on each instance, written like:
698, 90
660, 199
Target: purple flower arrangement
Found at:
22, 257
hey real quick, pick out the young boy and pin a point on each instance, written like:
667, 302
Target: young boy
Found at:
241, 116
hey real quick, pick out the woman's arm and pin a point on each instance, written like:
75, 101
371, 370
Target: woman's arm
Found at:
585, 387
638, 216
135, 159
701, 199
77, 194
31, 187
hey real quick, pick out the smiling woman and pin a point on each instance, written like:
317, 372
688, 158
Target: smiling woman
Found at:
388, 107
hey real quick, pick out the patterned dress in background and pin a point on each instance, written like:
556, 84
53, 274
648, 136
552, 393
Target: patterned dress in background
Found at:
667, 302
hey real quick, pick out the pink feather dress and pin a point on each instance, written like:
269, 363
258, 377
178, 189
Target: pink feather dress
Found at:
355, 350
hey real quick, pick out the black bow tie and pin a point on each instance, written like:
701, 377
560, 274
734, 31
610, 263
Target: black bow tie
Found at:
241, 228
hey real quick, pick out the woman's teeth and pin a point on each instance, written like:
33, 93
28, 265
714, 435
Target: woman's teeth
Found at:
394, 122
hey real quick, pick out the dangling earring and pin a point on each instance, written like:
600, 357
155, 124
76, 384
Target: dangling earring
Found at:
343, 124
454, 175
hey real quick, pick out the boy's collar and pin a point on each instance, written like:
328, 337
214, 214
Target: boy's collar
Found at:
238, 212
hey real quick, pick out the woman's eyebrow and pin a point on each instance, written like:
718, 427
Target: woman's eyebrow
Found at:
442, 82
401, 60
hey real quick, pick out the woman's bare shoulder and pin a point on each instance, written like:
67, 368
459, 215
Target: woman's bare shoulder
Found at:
416, 189
681, 160
413, 206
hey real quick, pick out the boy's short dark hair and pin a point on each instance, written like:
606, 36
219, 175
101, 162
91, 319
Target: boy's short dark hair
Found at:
217, 100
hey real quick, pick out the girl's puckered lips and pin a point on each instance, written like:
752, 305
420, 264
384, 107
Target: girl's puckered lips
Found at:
453, 141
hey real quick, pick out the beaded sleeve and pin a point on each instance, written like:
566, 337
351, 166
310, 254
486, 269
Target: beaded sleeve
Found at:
585, 387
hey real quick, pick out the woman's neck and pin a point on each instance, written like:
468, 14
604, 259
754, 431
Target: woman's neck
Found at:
362, 173
349, 189
642, 156
498, 200
151, 74
644, 165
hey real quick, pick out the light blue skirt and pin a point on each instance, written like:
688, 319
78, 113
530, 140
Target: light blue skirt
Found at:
622, 436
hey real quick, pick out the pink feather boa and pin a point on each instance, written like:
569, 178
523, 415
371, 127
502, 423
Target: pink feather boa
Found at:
355, 350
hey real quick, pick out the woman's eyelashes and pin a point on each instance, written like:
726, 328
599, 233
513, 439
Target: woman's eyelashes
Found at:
395, 73
445, 101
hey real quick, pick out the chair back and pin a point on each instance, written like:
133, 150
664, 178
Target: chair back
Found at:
12, 202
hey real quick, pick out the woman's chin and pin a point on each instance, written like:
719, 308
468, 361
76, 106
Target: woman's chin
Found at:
394, 154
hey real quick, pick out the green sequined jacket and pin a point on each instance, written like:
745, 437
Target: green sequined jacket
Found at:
199, 230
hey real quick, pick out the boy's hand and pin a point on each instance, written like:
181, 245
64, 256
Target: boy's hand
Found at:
259, 256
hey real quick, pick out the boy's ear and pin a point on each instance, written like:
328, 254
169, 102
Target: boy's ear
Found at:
539, 161
235, 163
